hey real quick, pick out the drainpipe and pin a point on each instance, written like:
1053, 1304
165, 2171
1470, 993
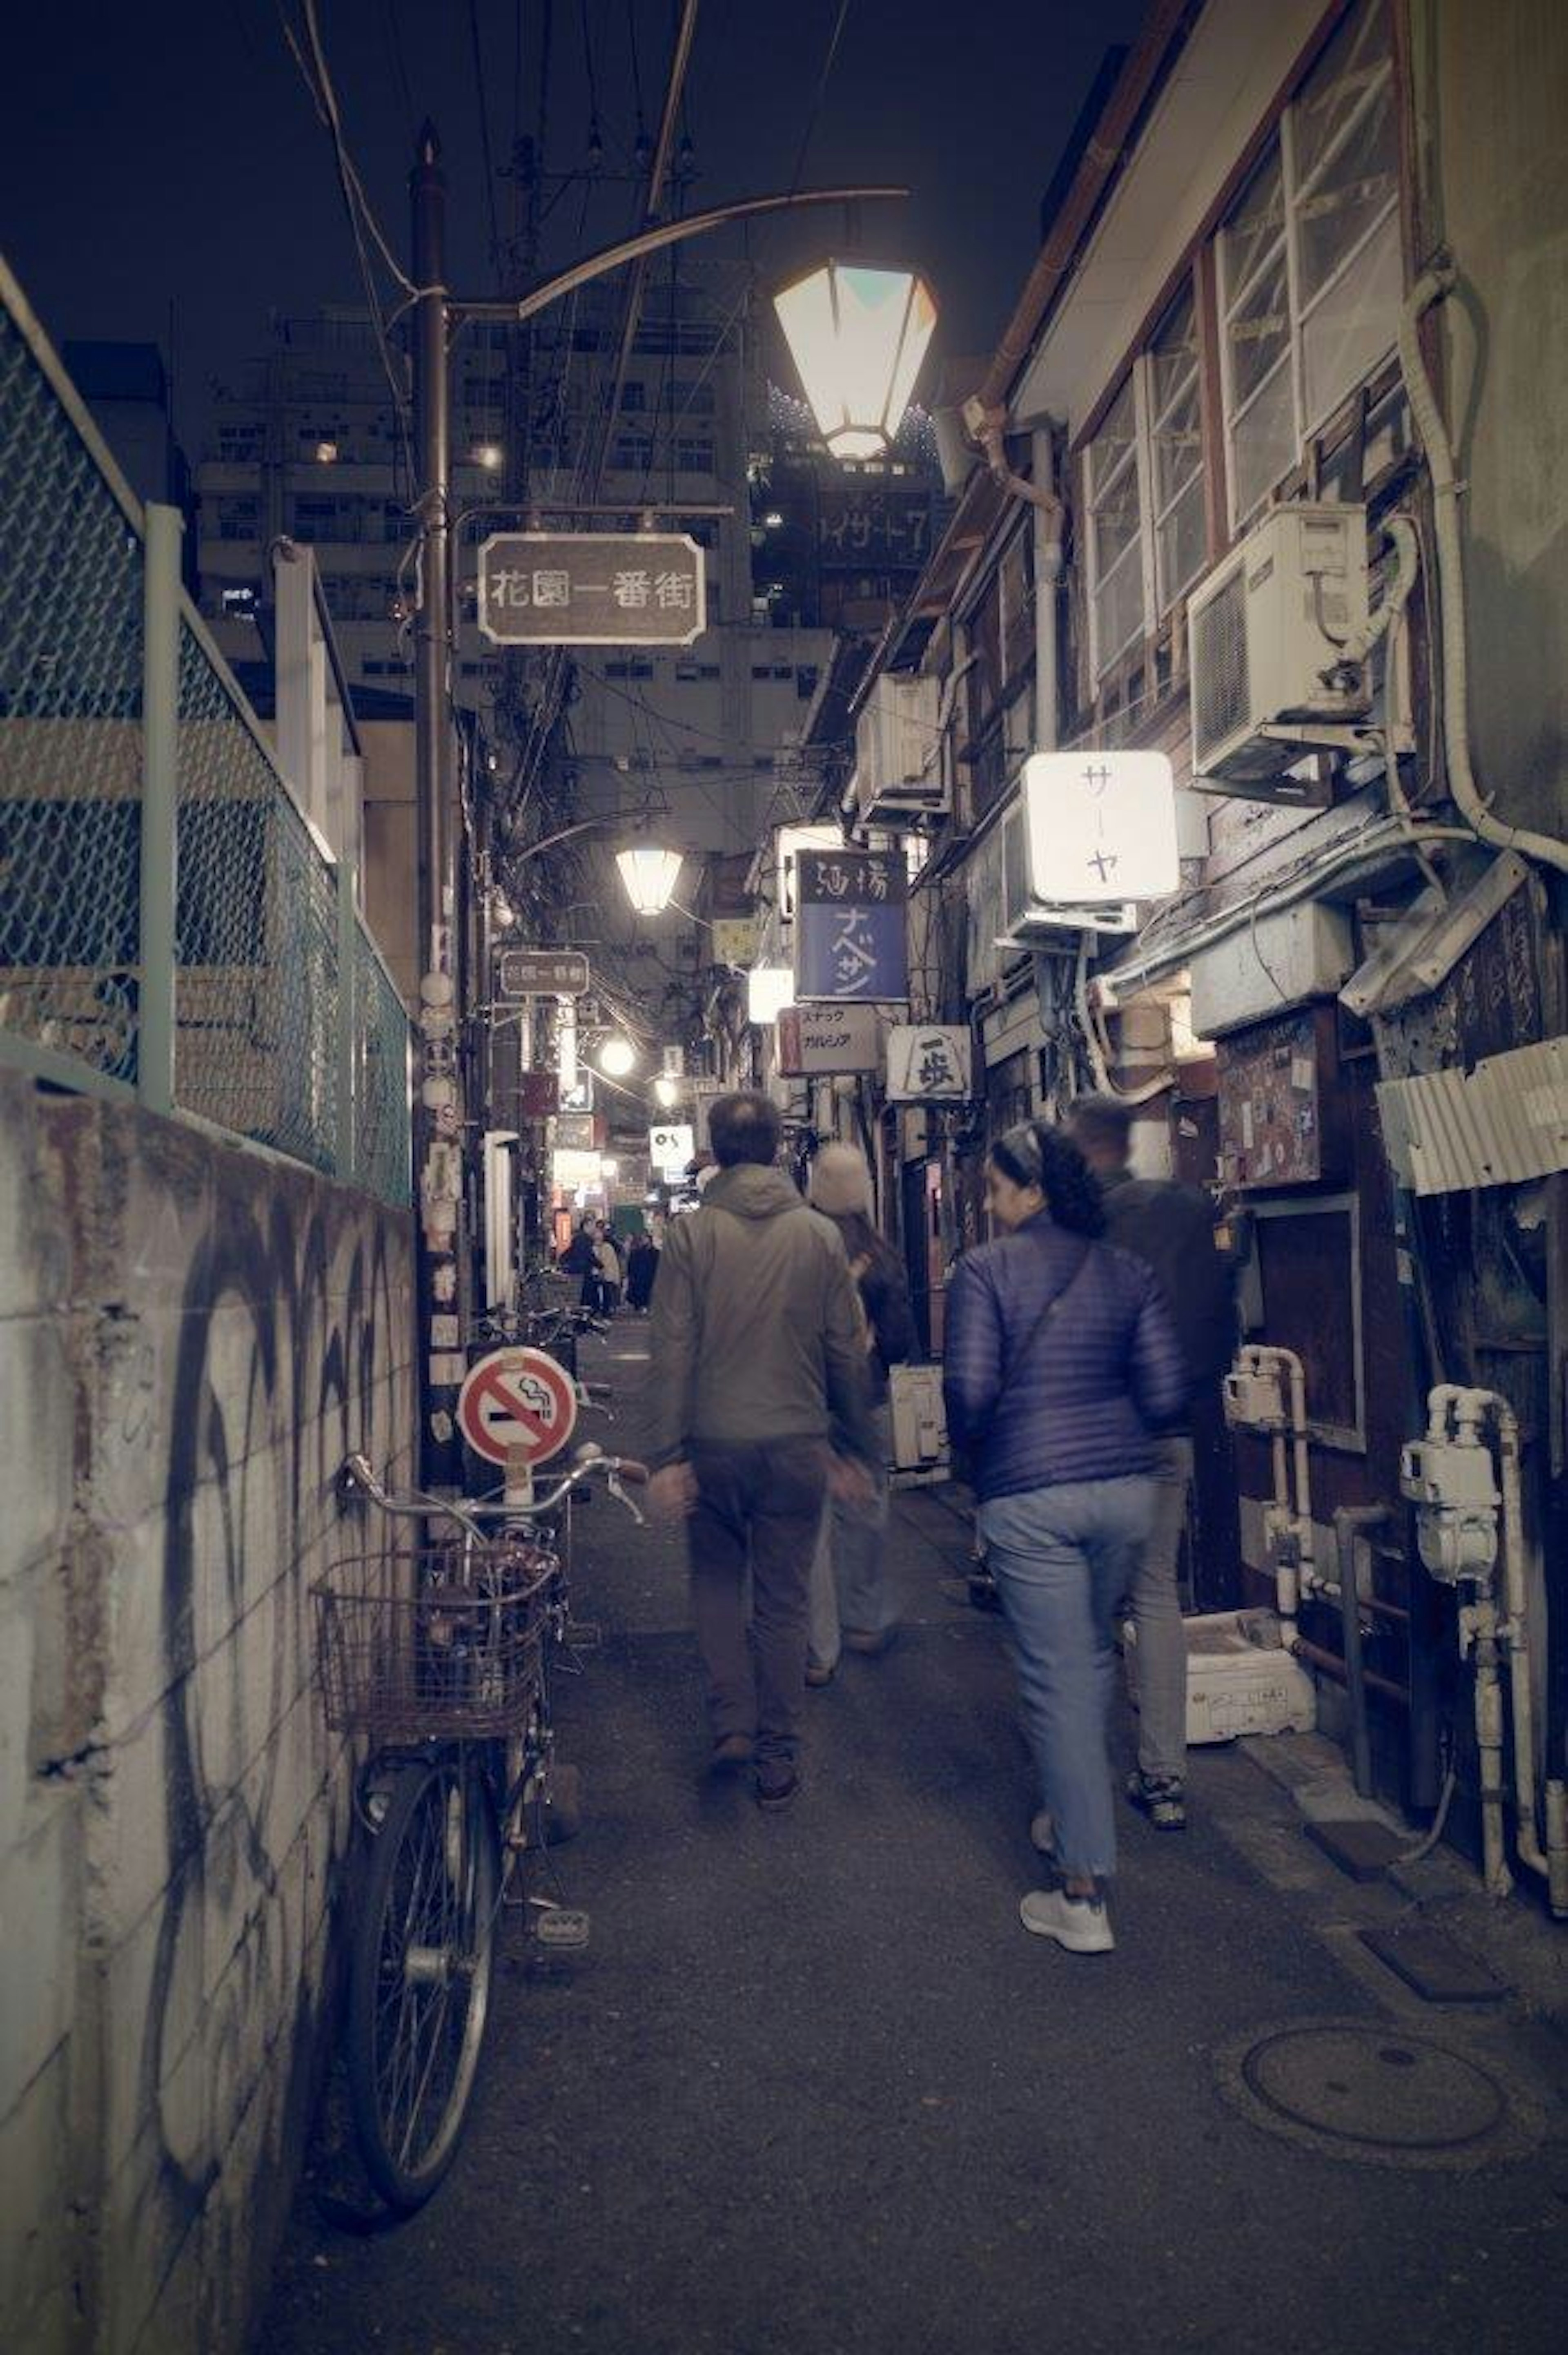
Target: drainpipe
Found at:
1048, 567
1446, 489
1551, 1863
1351, 1521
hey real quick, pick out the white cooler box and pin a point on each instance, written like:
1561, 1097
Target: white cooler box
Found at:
1238, 1679
919, 1424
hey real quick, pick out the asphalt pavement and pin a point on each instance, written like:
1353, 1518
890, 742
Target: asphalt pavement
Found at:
814, 2091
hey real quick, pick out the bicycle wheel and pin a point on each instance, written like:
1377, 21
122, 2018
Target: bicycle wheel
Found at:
420, 1978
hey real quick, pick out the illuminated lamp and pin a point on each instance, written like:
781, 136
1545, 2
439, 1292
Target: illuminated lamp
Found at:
858, 335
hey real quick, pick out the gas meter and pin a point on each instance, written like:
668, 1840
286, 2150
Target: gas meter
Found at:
1253, 1397
1450, 1483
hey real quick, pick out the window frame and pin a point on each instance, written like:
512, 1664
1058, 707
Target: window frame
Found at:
1156, 602
1282, 134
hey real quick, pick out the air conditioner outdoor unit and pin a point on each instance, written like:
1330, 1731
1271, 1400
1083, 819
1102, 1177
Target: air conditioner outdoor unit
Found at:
1267, 637
898, 751
1031, 923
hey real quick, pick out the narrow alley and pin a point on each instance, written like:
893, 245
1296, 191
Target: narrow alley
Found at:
814, 2089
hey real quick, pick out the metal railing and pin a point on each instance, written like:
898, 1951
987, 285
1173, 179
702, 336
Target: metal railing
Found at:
171, 926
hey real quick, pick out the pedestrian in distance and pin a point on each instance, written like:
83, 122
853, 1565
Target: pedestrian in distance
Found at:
609, 1272
1172, 1228
580, 1258
1061, 1365
641, 1268
760, 1403
852, 1603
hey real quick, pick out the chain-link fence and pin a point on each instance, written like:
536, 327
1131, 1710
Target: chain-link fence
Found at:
269, 1039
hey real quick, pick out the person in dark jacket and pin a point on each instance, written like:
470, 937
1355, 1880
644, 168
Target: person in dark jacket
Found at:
581, 1258
1062, 1364
1172, 1227
757, 1393
641, 1267
852, 1603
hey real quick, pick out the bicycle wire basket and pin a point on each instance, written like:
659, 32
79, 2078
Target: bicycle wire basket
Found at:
431, 1642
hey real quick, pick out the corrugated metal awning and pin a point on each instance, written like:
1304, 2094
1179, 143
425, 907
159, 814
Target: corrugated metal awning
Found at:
1500, 1125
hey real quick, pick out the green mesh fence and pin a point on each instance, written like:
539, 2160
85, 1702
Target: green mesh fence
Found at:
70, 732
257, 995
256, 936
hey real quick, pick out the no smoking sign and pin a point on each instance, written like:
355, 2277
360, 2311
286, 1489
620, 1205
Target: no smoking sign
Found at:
517, 1398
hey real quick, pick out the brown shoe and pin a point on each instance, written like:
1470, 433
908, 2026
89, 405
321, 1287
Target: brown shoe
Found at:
731, 1750
817, 1678
871, 1642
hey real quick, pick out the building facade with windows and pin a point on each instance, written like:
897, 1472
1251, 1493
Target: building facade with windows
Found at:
1262, 474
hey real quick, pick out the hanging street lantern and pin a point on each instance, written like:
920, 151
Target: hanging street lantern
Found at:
650, 876
858, 336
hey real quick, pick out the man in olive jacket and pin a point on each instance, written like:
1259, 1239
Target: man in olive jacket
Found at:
759, 1397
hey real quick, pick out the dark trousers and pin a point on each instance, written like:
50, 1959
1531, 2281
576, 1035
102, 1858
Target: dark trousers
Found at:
757, 1506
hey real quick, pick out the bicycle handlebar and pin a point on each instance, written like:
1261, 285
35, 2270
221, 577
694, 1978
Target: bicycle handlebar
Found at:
357, 1478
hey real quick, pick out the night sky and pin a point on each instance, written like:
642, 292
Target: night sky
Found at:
168, 154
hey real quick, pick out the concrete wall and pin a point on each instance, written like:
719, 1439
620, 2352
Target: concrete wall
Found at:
190, 1338
1489, 82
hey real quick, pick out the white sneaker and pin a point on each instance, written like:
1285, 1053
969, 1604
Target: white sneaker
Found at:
1079, 1924
1042, 1832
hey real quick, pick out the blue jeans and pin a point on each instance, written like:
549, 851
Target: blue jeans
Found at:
1063, 1558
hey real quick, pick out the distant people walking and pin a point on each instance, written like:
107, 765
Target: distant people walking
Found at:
608, 1269
580, 1258
1061, 1363
759, 1400
641, 1268
1172, 1228
853, 1604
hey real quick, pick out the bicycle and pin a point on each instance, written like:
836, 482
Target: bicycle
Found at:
440, 1653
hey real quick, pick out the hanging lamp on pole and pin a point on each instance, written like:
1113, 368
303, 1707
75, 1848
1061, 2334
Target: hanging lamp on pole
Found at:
858, 335
650, 874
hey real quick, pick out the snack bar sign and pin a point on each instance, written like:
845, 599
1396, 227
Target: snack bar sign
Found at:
591, 589
822, 1039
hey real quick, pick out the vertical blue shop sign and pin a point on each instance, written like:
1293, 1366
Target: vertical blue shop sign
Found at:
850, 932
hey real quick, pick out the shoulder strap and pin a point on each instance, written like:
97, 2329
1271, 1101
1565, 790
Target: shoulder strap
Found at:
1017, 1355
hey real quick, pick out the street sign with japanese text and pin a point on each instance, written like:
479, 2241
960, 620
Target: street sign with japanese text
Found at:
577, 1132
821, 1039
542, 973
538, 1094
850, 937
577, 1095
927, 1063
591, 589
1100, 825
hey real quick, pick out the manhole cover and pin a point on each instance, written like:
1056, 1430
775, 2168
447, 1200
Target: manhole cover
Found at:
1369, 2091
1373, 2086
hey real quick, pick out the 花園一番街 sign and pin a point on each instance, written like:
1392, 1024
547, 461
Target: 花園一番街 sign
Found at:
542, 973
591, 589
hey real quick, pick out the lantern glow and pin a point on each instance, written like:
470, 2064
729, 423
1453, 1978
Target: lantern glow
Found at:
768, 989
858, 336
650, 875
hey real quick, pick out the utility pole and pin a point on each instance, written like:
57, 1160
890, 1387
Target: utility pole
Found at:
438, 1109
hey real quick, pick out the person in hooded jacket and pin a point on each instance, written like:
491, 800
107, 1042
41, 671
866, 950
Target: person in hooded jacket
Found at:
853, 1603
759, 1399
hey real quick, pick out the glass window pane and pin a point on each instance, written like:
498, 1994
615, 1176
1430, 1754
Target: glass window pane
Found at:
1177, 443
1258, 332
1115, 522
1355, 58
1354, 324
1113, 443
1359, 182
1256, 220
1263, 445
1119, 610
1183, 545
1173, 354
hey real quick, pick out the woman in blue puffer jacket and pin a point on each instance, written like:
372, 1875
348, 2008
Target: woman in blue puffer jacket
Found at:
1061, 1365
